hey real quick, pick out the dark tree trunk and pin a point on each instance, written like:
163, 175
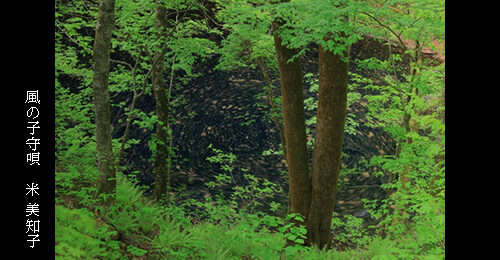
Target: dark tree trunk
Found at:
105, 163
162, 109
328, 145
294, 127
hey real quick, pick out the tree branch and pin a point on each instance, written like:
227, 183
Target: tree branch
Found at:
398, 36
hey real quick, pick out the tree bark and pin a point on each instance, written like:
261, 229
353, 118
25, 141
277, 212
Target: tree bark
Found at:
162, 110
105, 163
294, 126
328, 145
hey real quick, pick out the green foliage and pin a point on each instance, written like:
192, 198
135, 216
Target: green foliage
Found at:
326, 22
244, 220
72, 21
408, 108
311, 104
136, 251
245, 196
79, 236
74, 130
420, 21
153, 231
254, 193
348, 231
293, 230
138, 35
225, 160
164, 231
249, 41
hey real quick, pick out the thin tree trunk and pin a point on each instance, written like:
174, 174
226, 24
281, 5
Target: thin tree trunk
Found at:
404, 179
162, 110
106, 183
170, 137
328, 145
130, 117
273, 106
294, 126
127, 130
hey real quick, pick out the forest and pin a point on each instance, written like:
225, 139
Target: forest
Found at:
249, 129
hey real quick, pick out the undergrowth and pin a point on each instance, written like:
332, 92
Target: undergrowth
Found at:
135, 227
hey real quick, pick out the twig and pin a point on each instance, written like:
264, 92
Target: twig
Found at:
398, 36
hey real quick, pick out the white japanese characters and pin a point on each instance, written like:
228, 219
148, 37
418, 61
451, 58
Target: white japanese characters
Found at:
32, 212
32, 97
32, 158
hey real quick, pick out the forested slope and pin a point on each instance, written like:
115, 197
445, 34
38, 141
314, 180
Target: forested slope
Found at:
228, 188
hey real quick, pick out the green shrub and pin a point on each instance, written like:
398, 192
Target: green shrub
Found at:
79, 236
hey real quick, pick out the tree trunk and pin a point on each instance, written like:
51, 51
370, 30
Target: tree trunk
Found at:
294, 127
105, 163
328, 145
273, 108
127, 130
162, 110
130, 117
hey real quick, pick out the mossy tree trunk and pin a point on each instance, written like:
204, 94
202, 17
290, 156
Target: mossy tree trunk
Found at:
162, 110
106, 183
